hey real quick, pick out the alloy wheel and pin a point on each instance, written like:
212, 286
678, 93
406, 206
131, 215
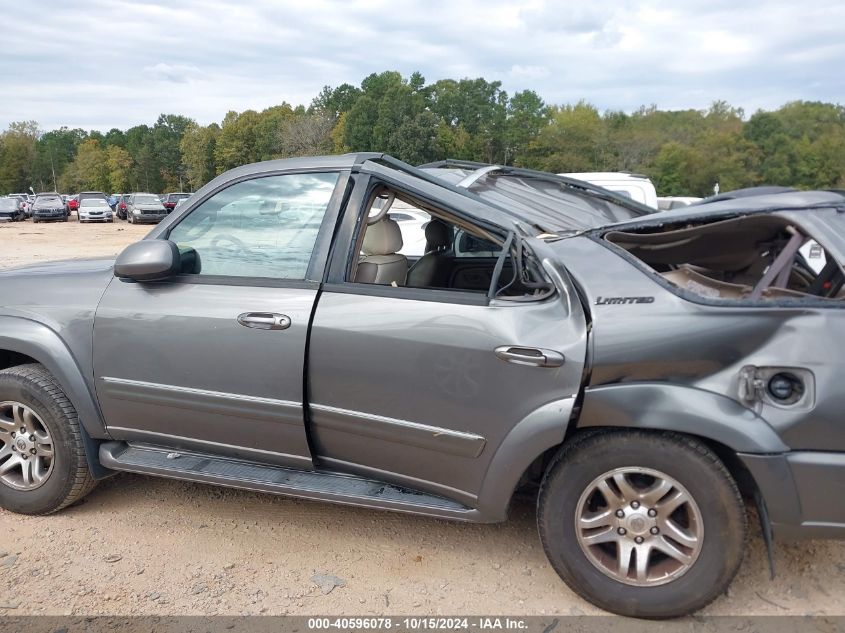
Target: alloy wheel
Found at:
26, 447
639, 526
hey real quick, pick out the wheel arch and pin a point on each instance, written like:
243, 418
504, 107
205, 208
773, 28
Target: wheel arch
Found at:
688, 410
24, 341
538, 434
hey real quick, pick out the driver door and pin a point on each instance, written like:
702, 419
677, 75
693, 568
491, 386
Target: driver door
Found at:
212, 360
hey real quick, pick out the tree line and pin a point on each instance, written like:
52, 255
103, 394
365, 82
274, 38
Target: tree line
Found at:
685, 152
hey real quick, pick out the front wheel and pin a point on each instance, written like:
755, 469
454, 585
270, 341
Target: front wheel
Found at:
43, 467
642, 524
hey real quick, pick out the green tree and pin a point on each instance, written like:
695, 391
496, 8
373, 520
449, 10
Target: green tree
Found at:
526, 116
236, 143
89, 171
119, 165
197, 147
17, 156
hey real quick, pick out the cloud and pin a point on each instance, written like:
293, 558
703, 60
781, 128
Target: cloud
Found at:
202, 58
176, 73
518, 71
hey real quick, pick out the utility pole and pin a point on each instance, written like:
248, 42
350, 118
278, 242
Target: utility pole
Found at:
53, 169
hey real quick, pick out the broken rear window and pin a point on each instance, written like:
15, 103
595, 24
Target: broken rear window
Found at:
747, 258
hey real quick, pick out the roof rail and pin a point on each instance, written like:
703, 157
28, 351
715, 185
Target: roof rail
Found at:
505, 170
467, 182
454, 163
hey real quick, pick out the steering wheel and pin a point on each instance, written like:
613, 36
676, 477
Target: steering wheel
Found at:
224, 237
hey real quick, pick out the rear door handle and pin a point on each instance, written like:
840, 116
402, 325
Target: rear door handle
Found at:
533, 356
264, 320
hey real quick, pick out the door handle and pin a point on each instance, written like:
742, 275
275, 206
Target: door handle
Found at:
533, 356
264, 320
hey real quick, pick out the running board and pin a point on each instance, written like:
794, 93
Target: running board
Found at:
317, 485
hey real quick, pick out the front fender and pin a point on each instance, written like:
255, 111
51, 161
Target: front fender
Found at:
683, 409
37, 341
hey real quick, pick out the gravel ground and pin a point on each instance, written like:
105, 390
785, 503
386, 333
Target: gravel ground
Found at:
140, 545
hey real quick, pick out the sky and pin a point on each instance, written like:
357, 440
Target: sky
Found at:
98, 64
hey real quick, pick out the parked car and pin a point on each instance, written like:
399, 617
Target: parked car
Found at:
648, 373
171, 199
144, 208
120, 208
113, 200
72, 203
85, 195
48, 207
11, 209
25, 202
95, 210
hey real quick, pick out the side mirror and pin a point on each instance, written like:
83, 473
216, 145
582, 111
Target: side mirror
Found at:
148, 260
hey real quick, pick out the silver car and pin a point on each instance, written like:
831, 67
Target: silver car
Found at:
95, 210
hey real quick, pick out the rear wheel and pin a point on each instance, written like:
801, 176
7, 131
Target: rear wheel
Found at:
43, 467
642, 524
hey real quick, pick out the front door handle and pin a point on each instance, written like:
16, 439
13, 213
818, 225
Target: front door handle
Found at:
533, 356
264, 320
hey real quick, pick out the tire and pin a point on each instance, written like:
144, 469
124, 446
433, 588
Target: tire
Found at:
68, 477
714, 521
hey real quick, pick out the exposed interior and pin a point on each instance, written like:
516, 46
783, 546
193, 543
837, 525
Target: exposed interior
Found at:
758, 257
406, 242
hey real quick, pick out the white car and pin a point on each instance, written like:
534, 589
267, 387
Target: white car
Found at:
95, 210
411, 221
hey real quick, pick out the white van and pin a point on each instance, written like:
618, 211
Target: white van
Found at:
635, 186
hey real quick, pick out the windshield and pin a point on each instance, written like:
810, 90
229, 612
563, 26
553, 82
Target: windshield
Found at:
94, 202
43, 200
7, 203
147, 200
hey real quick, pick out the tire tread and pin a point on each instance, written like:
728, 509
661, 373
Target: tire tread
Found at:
587, 438
82, 481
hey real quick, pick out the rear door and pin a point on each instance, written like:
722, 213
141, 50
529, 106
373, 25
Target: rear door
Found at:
213, 360
415, 385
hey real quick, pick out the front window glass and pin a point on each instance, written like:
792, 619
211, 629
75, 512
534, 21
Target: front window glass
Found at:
265, 227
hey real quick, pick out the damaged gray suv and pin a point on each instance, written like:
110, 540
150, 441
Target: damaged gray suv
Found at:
648, 375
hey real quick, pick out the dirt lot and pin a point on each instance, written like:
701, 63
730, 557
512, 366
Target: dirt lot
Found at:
140, 545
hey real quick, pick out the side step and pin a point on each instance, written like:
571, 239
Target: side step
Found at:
318, 485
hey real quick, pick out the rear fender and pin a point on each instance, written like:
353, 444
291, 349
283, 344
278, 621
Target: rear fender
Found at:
682, 409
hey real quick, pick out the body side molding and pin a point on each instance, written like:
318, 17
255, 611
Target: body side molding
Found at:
400, 431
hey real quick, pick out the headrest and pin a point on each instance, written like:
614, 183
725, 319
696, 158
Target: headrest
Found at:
438, 235
382, 238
